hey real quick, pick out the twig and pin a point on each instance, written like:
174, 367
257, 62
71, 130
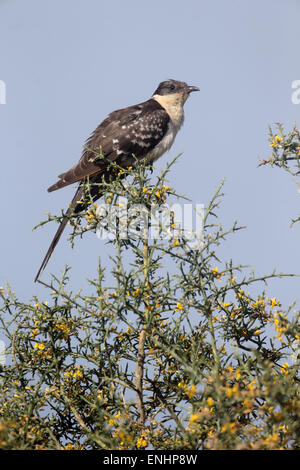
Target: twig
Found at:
139, 373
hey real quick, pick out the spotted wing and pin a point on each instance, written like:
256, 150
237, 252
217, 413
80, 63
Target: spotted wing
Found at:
135, 130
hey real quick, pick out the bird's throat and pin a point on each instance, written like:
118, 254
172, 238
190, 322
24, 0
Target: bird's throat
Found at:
173, 104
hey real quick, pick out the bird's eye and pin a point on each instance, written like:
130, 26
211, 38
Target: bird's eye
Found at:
172, 87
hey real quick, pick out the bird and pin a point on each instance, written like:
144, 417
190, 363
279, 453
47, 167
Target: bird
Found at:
145, 130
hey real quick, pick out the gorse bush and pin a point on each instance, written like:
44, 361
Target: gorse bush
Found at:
173, 348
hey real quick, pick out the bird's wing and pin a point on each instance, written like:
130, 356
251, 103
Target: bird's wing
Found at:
130, 131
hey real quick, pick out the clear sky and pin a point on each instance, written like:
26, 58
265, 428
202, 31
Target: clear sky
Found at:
67, 64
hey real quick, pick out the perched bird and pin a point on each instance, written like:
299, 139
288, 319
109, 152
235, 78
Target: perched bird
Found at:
144, 130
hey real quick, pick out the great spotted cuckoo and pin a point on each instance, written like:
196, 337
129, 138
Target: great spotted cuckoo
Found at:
145, 130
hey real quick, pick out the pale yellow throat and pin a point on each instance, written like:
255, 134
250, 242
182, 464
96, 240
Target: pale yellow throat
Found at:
173, 104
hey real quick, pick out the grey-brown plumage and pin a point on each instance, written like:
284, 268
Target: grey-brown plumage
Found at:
146, 129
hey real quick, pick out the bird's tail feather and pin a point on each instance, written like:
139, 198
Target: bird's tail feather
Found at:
95, 192
59, 232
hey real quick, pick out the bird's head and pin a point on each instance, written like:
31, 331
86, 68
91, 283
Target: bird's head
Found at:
173, 90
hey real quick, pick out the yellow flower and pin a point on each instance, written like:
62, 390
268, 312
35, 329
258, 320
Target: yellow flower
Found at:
232, 391
273, 302
179, 306
276, 140
284, 368
210, 401
229, 427
216, 273
141, 442
251, 385
78, 373
272, 439
247, 405
34, 332
175, 243
283, 427
194, 417
190, 392
124, 436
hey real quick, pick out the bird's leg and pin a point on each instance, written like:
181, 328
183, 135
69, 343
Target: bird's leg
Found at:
151, 167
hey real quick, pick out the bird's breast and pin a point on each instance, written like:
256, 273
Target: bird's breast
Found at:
164, 144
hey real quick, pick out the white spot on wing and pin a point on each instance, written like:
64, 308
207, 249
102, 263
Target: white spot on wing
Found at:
164, 144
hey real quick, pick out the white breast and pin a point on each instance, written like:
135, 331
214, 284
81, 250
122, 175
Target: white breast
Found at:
164, 144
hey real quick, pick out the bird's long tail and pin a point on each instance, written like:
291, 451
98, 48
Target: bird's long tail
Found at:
60, 230
95, 192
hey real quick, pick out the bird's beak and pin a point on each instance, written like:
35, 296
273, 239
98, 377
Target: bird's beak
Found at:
192, 88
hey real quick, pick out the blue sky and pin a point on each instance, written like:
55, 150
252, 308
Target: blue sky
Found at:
67, 64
